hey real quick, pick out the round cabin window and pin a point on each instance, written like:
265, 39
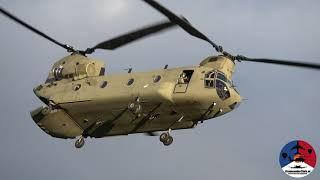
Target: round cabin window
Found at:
103, 84
157, 78
130, 81
76, 87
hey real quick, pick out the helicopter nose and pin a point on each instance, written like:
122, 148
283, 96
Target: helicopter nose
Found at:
234, 105
236, 99
37, 91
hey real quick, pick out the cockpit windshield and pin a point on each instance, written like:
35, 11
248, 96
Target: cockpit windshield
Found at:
220, 82
211, 76
222, 90
222, 77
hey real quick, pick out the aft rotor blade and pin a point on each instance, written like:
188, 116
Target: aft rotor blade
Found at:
283, 62
19, 21
132, 36
183, 23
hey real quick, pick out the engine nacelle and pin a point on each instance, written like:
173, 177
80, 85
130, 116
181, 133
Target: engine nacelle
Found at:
75, 67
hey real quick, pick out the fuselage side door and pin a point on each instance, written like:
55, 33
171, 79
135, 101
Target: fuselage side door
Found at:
183, 81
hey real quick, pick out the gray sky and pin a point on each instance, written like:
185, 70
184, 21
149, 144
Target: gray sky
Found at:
283, 103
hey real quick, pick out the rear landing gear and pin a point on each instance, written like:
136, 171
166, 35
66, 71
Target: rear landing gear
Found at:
79, 142
166, 138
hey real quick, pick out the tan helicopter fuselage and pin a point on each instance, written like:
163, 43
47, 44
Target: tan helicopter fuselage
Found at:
83, 101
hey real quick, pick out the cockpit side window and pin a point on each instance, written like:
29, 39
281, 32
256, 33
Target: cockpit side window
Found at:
209, 79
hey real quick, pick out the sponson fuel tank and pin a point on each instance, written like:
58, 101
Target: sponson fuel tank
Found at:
56, 123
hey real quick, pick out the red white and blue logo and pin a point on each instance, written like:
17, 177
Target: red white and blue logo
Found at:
297, 159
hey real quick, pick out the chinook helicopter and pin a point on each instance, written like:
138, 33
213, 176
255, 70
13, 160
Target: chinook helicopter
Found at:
81, 101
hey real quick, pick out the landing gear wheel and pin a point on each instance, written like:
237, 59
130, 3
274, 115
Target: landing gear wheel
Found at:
79, 142
168, 141
164, 137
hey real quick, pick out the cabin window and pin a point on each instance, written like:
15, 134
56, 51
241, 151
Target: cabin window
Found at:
157, 78
76, 87
103, 84
130, 81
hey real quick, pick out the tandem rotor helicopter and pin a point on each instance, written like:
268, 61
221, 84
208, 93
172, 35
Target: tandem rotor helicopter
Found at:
81, 101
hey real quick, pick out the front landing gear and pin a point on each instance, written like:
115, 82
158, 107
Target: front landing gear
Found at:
79, 142
166, 139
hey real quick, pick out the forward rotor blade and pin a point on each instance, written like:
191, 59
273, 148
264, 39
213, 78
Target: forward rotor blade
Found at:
132, 36
19, 21
183, 23
283, 62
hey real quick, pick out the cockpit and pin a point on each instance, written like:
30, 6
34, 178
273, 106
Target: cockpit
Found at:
218, 80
